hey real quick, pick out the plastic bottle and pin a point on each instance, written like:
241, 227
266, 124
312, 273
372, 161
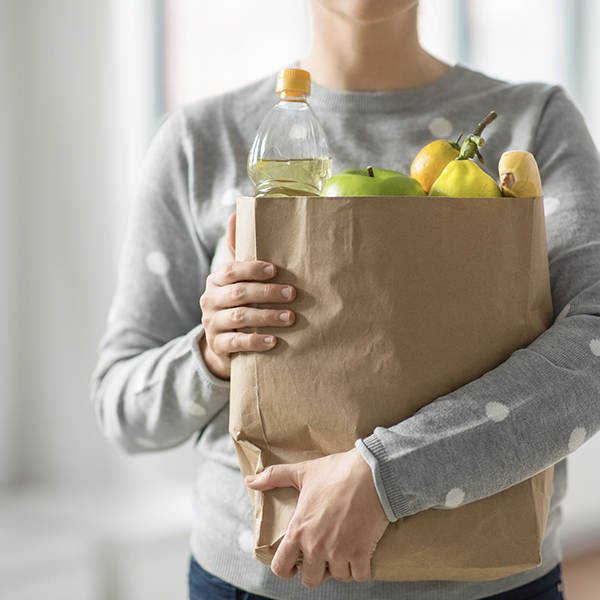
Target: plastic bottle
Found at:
289, 156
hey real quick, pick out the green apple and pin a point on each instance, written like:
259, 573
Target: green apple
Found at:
372, 182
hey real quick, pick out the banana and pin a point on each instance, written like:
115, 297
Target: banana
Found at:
519, 175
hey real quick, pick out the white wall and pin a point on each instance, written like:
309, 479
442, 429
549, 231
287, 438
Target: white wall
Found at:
58, 182
260, 38
7, 248
62, 188
71, 522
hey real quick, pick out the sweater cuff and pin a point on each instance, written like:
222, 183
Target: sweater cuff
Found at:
385, 478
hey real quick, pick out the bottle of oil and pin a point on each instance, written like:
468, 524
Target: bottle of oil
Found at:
289, 156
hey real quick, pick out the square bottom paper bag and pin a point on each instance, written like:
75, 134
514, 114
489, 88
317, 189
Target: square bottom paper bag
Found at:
400, 300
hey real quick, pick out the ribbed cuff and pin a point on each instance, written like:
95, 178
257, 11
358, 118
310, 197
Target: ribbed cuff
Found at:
386, 480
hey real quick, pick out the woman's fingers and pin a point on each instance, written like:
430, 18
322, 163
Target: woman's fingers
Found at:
231, 342
314, 571
243, 317
246, 292
226, 341
338, 520
285, 560
234, 271
229, 309
340, 570
361, 569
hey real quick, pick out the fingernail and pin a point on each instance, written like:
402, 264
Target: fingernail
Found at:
285, 317
270, 340
250, 478
268, 270
286, 292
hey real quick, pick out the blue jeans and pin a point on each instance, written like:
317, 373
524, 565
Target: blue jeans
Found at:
204, 586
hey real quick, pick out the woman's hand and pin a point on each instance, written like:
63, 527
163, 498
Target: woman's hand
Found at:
338, 520
226, 308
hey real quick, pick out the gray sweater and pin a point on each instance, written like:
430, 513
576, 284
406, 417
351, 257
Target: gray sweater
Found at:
152, 391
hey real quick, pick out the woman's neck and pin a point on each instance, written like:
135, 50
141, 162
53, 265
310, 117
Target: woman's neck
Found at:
369, 55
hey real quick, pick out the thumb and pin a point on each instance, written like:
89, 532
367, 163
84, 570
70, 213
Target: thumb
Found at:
231, 234
277, 476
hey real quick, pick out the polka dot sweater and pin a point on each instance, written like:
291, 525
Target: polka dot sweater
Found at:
151, 389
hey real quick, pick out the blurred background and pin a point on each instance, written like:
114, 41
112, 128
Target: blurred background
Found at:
84, 85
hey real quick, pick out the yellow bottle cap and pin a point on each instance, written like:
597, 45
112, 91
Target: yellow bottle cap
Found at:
293, 80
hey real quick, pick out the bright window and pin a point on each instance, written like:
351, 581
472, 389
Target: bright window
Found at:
211, 47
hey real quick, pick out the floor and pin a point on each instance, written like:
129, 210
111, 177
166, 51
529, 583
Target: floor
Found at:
581, 577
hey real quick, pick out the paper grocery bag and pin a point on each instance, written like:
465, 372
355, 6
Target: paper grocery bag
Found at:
400, 300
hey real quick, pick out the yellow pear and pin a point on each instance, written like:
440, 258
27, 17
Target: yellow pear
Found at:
465, 179
462, 178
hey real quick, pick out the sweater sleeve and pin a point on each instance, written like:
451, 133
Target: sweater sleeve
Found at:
544, 401
151, 389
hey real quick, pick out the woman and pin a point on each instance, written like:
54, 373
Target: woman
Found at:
164, 365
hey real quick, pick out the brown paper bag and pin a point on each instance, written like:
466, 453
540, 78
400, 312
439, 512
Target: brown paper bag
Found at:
400, 300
